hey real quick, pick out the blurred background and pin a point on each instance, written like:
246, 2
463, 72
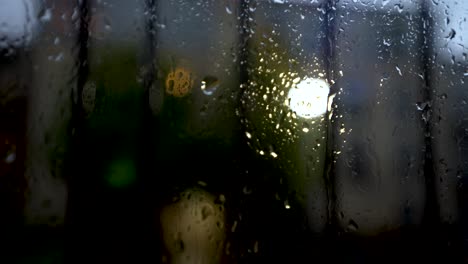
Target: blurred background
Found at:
233, 131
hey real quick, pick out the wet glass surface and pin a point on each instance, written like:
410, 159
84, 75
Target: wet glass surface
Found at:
233, 131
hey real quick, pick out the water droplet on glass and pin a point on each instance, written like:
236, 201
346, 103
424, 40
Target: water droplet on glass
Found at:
247, 190
206, 212
107, 24
399, 8
222, 198
352, 226
10, 158
387, 43
451, 34
59, 57
179, 245
209, 85
305, 127
234, 226
204, 110
341, 215
398, 70
76, 14
443, 96
46, 16
202, 183
422, 105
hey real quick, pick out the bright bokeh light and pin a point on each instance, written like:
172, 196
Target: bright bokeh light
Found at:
309, 97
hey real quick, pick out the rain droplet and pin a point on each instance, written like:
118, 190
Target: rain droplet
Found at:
202, 183
75, 15
305, 127
247, 190
46, 16
209, 85
399, 8
234, 226
387, 43
59, 57
107, 24
10, 158
206, 212
341, 215
451, 34
422, 105
352, 226
398, 70
179, 245
222, 198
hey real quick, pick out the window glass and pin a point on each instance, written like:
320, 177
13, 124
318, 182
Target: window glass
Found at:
233, 131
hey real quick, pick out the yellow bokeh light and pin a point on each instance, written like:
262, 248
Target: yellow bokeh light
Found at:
179, 82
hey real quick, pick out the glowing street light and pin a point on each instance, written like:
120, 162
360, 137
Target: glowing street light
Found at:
309, 97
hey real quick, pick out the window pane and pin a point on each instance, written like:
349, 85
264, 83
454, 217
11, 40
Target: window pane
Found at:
233, 131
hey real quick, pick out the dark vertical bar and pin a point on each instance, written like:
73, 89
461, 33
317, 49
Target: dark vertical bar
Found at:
329, 66
150, 190
431, 212
82, 60
75, 129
